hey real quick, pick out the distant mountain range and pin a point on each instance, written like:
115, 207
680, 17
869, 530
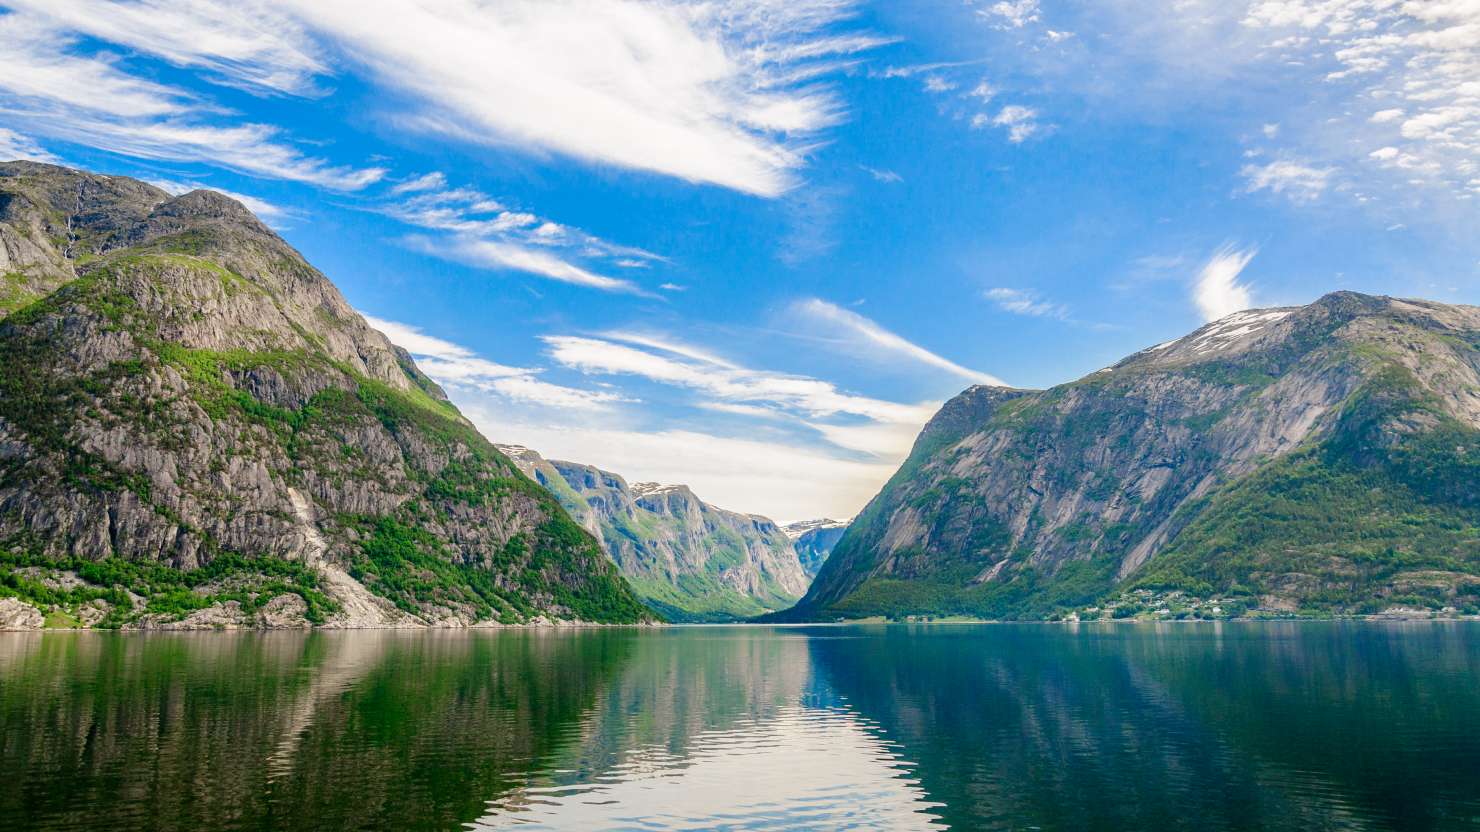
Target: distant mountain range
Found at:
814, 541
684, 557
196, 430
1322, 459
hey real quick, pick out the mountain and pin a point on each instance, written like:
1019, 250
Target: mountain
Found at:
814, 541
1319, 459
197, 430
685, 558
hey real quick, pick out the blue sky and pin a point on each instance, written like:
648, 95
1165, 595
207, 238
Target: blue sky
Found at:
752, 246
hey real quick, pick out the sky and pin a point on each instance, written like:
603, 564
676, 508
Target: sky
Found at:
752, 246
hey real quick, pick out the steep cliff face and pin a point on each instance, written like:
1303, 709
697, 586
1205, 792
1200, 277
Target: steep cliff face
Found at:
687, 559
195, 425
1319, 458
814, 541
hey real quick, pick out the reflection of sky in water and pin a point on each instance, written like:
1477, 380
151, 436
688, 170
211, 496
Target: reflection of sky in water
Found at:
804, 768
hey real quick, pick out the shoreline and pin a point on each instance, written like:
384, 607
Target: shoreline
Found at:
862, 622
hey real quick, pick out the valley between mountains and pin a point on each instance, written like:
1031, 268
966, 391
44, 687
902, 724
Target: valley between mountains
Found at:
198, 431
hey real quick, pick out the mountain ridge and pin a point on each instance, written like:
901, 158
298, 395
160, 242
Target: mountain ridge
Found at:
1105, 494
197, 430
686, 558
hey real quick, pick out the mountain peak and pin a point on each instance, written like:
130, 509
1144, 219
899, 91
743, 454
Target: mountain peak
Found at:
1349, 429
182, 390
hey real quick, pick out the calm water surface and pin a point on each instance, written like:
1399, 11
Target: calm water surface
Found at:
1185, 726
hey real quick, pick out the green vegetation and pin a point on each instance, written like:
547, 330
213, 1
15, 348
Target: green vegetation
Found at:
451, 473
165, 591
410, 567
1356, 524
1378, 510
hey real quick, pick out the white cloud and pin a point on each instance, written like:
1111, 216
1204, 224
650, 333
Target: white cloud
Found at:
455, 366
1216, 290
1341, 78
687, 367
483, 232
14, 146
983, 91
1022, 302
1021, 122
93, 101
937, 84
700, 91
434, 181
1012, 13
1406, 76
244, 42
1270, 130
35, 66
724, 92
873, 334
1300, 182
497, 254
805, 431
886, 176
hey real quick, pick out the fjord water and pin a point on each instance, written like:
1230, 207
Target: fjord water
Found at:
1170, 726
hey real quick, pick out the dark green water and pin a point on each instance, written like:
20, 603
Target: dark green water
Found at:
1185, 726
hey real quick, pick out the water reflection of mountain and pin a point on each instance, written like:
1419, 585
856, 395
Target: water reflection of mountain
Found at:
717, 728
286, 730
987, 727
1177, 727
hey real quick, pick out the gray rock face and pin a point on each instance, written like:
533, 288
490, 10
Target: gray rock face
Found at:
685, 557
814, 541
16, 614
1019, 502
179, 384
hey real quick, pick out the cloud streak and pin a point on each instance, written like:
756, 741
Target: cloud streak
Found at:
701, 92
50, 91
872, 334
456, 366
483, 232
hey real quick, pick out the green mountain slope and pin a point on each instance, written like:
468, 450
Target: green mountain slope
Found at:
685, 558
197, 430
1319, 459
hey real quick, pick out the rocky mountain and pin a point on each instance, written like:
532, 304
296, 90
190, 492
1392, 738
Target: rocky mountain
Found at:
1319, 459
814, 541
197, 430
685, 558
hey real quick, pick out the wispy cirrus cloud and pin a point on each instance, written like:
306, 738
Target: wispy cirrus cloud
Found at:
1025, 302
728, 93
497, 254
482, 231
247, 43
680, 365
453, 365
52, 87
794, 423
1300, 182
872, 334
13, 146
721, 93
